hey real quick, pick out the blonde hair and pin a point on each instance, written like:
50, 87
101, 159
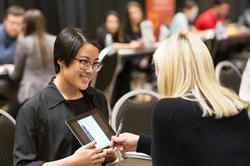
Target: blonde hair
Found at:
185, 68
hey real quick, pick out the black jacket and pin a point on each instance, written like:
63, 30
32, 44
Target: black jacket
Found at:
41, 132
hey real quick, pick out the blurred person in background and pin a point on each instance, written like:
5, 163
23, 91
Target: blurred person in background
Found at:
132, 35
111, 33
211, 17
181, 21
10, 30
244, 18
134, 16
197, 122
33, 64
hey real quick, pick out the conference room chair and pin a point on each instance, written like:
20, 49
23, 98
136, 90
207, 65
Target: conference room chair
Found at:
106, 77
7, 137
228, 75
135, 108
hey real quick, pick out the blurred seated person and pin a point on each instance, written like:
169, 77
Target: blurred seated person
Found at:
211, 17
244, 21
132, 34
33, 64
111, 33
197, 122
246, 17
132, 30
134, 16
10, 30
181, 21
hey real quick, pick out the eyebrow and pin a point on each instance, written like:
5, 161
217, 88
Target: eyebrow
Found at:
83, 56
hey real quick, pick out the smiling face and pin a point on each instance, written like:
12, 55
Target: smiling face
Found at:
76, 77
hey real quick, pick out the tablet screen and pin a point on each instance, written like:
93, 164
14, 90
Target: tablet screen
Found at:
91, 126
93, 131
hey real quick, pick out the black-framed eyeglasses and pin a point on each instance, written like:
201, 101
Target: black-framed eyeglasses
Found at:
85, 64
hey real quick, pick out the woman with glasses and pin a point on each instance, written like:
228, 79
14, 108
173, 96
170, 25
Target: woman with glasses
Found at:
42, 136
197, 122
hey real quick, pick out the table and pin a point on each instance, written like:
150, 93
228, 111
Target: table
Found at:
130, 53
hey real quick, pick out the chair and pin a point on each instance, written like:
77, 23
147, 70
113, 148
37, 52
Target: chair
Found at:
106, 77
228, 75
7, 137
136, 114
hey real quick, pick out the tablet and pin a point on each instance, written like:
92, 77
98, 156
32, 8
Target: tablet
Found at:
91, 126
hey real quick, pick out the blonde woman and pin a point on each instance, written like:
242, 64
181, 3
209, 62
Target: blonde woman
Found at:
197, 122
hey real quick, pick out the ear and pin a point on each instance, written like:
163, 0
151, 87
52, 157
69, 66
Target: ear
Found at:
60, 63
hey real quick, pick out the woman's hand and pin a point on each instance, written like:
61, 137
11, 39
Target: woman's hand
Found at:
125, 142
87, 156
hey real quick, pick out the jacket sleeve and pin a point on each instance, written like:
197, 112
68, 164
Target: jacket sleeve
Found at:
144, 144
25, 150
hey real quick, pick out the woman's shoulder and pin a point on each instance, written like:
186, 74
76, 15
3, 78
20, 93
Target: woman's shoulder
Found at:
26, 40
173, 101
178, 108
180, 17
50, 37
25, 45
30, 40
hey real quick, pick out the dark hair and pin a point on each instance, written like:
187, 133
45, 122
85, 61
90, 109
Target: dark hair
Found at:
187, 4
219, 2
35, 24
113, 12
120, 30
67, 44
15, 10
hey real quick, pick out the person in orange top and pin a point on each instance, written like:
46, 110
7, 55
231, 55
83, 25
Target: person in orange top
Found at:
209, 18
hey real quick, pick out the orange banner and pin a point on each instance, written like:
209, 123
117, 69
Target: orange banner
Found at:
160, 12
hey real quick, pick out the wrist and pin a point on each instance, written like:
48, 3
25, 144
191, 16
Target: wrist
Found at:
67, 161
